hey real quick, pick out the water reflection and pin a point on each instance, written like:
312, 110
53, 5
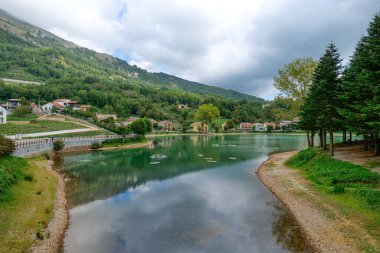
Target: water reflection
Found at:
122, 203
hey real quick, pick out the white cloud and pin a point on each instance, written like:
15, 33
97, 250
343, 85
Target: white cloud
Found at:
234, 44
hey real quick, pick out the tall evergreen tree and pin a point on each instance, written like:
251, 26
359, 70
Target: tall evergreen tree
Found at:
326, 87
361, 85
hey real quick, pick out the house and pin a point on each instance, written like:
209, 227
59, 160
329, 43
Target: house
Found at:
285, 123
246, 126
102, 117
74, 105
47, 108
259, 127
165, 125
63, 102
34, 108
12, 104
267, 124
182, 106
84, 108
199, 127
3, 115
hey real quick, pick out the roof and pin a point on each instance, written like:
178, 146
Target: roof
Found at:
14, 99
62, 100
56, 104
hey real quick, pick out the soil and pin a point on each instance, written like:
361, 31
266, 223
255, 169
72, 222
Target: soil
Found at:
322, 223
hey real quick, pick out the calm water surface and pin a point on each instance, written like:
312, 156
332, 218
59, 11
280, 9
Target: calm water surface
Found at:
126, 201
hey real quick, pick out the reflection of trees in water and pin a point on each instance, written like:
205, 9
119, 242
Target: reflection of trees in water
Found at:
287, 231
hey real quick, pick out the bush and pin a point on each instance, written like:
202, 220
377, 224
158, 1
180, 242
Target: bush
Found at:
96, 145
302, 157
28, 177
338, 189
46, 154
7, 146
58, 145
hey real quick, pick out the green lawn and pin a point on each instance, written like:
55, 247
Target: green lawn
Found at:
24, 118
353, 189
27, 212
37, 127
82, 134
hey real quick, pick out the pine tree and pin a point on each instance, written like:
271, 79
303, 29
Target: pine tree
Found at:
326, 88
361, 85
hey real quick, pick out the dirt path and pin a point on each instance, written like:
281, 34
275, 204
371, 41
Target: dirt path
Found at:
357, 155
326, 228
58, 224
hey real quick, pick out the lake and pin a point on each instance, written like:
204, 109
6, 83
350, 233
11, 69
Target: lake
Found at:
186, 194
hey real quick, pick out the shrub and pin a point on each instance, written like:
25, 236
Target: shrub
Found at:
96, 145
40, 235
338, 189
46, 154
302, 157
58, 145
28, 177
7, 146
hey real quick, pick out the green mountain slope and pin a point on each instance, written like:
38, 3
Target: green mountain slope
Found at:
31, 53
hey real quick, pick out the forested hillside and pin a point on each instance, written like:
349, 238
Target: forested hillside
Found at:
31, 53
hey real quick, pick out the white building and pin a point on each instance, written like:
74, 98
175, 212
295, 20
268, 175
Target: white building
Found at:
3, 115
47, 108
259, 127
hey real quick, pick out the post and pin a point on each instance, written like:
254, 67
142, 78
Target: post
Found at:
331, 143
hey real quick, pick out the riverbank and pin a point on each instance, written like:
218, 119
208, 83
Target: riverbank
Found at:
24, 218
332, 222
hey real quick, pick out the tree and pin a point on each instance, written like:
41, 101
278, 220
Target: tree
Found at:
58, 145
141, 127
325, 90
7, 146
295, 78
21, 111
207, 113
361, 86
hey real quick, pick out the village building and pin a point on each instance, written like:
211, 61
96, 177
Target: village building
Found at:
267, 124
12, 104
246, 126
102, 117
63, 102
34, 108
296, 120
3, 115
199, 126
224, 125
74, 105
285, 123
165, 125
259, 127
47, 108
84, 108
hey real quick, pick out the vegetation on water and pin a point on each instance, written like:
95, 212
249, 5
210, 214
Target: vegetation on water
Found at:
37, 126
339, 176
26, 209
341, 100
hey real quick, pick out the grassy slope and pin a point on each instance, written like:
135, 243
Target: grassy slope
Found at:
30, 207
39, 126
352, 189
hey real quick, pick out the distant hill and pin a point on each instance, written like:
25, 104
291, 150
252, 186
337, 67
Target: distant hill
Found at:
31, 53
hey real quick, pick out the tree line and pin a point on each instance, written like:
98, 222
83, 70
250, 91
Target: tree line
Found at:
346, 99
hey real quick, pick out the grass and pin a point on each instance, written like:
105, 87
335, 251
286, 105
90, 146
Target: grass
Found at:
37, 127
24, 216
24, 118
11, 170
220, 121
121, 142
352, 189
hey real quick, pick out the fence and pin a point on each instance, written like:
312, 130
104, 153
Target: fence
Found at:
35, 146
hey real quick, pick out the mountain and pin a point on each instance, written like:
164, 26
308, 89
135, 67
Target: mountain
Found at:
31, 53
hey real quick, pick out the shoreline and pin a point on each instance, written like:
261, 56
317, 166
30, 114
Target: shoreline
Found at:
325, 227
145, 144
59, 222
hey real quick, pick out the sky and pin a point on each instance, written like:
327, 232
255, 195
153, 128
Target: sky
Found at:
237, 44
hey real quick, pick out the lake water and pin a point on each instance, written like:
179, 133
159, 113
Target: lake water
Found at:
204, 196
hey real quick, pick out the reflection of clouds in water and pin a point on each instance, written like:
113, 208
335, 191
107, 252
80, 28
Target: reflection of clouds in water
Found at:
201, 212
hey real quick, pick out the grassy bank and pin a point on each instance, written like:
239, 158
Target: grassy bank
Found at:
37, 127
123, 142
26, 205
352, 189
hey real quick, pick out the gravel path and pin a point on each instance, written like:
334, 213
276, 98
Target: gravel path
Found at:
322, 223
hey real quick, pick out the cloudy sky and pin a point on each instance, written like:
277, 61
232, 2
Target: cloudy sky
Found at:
237, 44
